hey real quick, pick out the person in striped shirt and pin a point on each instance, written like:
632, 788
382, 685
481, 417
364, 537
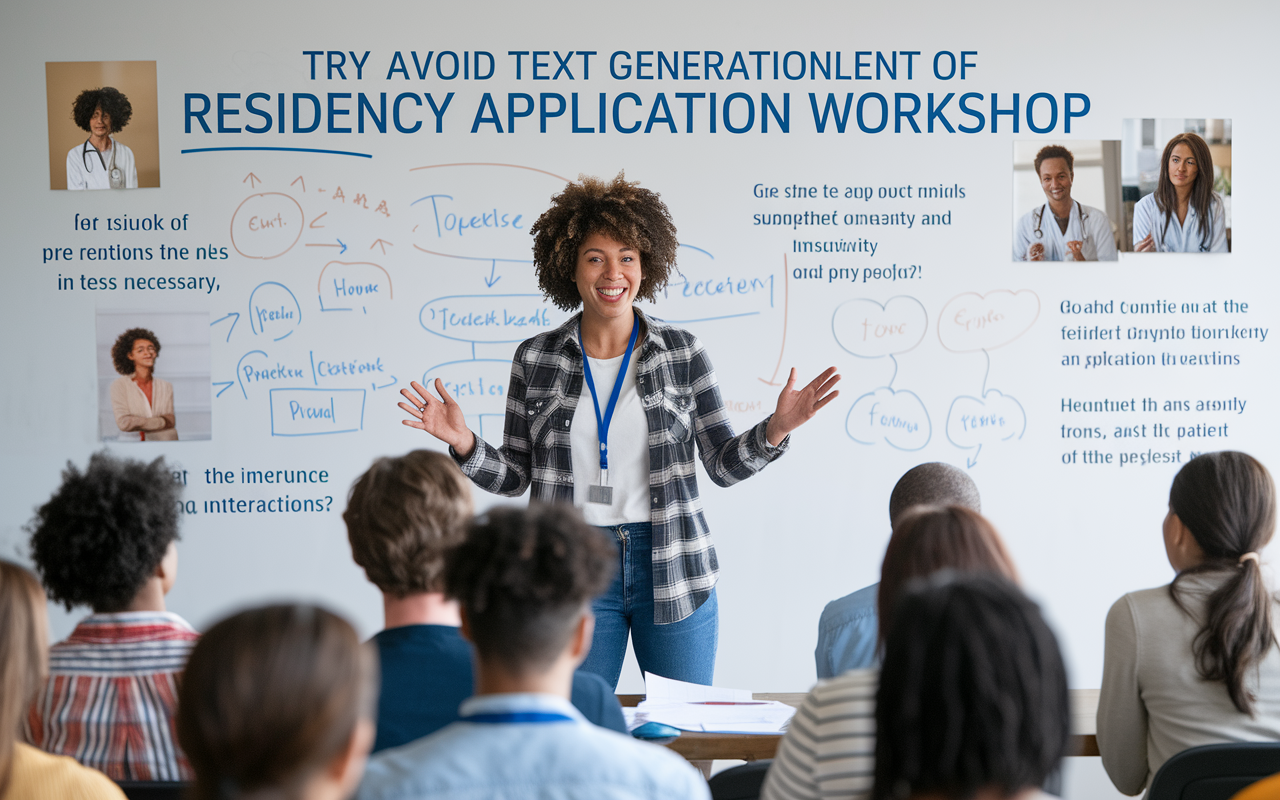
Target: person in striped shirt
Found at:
106, 539
830, 747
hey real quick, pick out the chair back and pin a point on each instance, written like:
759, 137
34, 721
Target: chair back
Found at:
1214, 771
742, 782
153, 790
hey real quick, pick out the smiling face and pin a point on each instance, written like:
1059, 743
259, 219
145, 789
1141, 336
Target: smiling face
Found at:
142, 354
1183, 168
1055, 179
608, 277
100, 123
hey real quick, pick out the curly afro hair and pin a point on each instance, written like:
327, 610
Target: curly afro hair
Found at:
105, 530
124, 343
112, 102
522, 576
620, 209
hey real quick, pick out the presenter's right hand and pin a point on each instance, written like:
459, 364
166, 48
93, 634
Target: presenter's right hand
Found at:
442, 419
1146, 245
1036, 252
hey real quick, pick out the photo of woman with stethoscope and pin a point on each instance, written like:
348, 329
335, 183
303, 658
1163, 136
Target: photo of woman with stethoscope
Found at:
1184, 214
1062, 228
101, 162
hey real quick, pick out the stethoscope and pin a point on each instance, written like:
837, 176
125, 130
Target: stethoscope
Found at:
115, 177
1039, 215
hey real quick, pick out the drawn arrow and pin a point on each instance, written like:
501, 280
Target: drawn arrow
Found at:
970, 462
317, 219
252, 180
384, 386
786, 293
491, 280
344, 247
234, 316
225, 386
299, 179
383, 243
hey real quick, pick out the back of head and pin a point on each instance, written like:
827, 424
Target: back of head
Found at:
973, 692
104, 531
928, 539
23, 654
270, 696
933, 484
402, 515
522, 577
1228, 502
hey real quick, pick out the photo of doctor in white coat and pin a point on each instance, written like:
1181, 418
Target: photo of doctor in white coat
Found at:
1062, 228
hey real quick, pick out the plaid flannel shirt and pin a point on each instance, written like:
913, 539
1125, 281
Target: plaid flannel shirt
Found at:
683, 407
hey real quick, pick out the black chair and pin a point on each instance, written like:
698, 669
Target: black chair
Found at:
1214, 771
153, 790
742, 782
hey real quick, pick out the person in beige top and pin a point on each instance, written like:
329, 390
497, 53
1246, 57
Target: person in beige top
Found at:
25, 772
1196, 662
143, 403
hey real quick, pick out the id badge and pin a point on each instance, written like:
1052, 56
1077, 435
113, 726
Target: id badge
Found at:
601, 495
116, 177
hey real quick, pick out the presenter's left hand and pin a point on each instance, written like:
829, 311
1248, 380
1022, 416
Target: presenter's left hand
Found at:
795, 408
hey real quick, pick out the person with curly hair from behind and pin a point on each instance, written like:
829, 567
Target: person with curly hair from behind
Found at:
142, 403
106, 539
590, 425
101, 162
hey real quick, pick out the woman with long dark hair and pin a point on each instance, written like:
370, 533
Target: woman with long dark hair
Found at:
1184, 214
1196, 662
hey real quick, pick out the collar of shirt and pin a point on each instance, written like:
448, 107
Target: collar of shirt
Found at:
125, 625
516, 703
567, 334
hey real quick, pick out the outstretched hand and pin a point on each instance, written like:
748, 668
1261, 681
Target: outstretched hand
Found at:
795, 408
441, 418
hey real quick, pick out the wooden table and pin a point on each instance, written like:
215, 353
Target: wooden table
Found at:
749, 747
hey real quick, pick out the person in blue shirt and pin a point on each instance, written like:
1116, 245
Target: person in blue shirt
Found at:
402, 515
525, 579
847, 630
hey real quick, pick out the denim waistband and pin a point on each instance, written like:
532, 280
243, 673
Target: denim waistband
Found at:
633, 530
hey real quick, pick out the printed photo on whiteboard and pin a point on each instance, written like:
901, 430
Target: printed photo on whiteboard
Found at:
1177, 185
153, 375
103, 126
1066, 200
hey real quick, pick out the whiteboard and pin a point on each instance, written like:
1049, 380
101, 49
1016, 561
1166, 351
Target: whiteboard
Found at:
347, 264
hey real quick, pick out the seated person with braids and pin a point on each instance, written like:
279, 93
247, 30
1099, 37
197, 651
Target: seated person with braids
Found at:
402, 515
525, 579
848, 631
829, 745
1196, 662
973, 701
106, 539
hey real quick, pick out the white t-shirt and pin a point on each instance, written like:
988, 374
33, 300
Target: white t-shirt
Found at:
628, 447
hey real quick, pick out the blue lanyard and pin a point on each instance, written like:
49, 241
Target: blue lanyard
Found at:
602, 423
535, 717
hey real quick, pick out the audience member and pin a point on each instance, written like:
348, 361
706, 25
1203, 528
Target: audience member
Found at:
277, 702
847, 634
106, 539
402, 515
828, 748
525, 579
973, 694
25, 772
1196, 662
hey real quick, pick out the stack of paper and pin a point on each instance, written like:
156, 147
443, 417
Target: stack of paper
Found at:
707, 709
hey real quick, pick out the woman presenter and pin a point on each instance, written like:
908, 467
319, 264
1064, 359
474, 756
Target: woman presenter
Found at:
1184, 214
143, 403
605, 412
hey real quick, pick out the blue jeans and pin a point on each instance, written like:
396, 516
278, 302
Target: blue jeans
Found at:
684, 650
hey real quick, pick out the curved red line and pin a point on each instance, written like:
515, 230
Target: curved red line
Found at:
490, 164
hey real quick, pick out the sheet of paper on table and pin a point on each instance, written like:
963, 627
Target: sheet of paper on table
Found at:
707, 709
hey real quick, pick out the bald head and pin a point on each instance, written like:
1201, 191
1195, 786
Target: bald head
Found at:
933, 484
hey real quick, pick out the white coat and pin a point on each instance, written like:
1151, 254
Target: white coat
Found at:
1087, 224
1184, 237
87, 168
